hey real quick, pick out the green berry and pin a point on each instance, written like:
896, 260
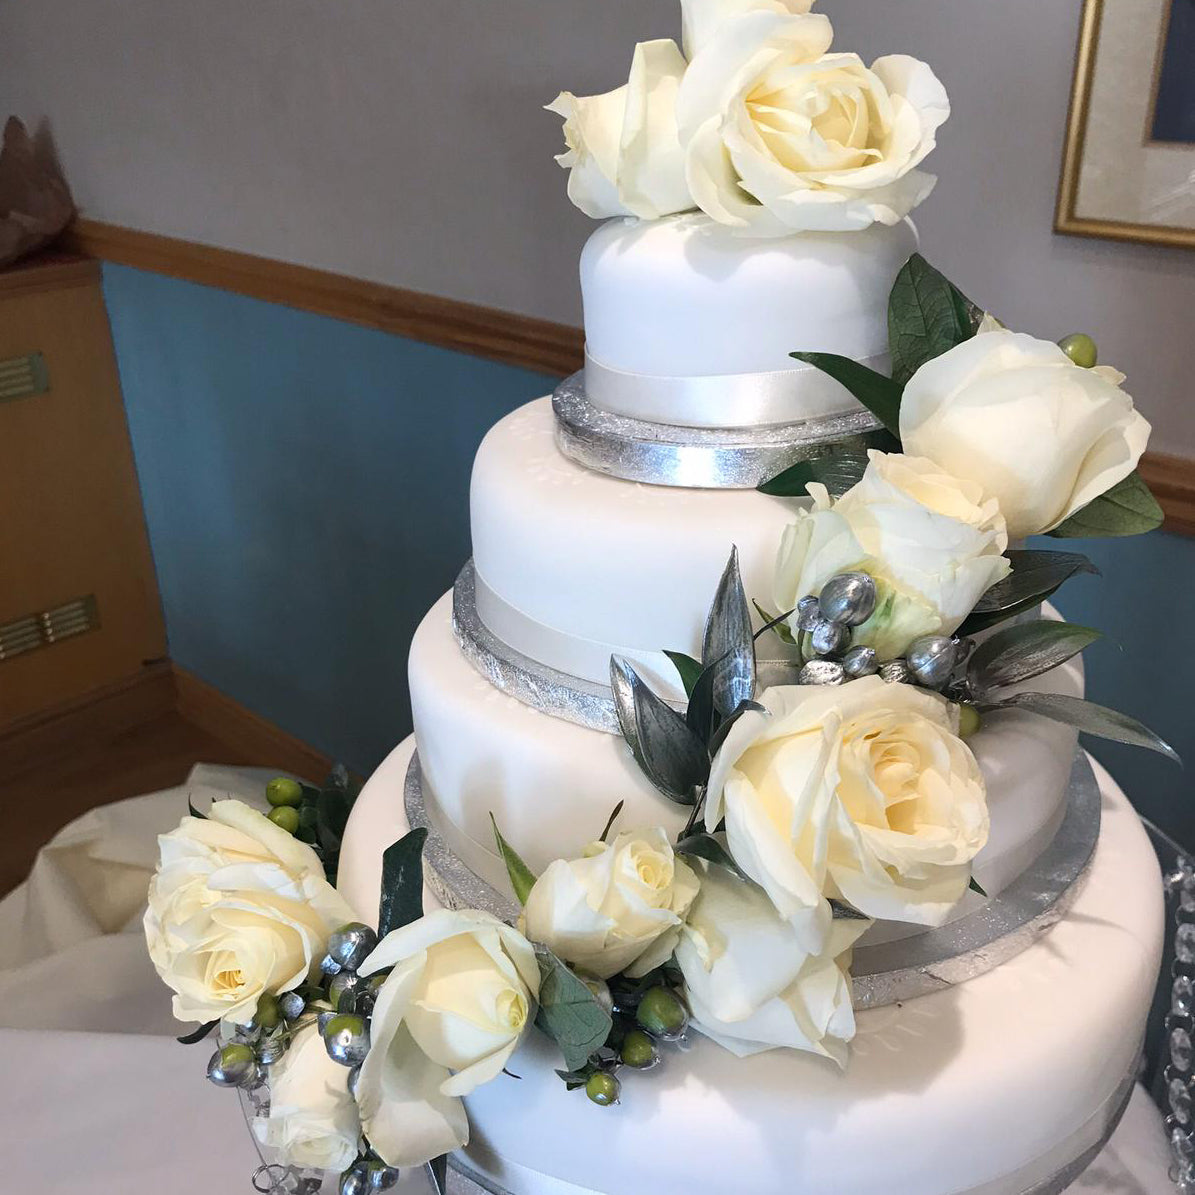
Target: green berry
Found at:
235, 1055
603, 1088
285, 817
283, 791
268, 1013
638, 1050
344, 1022
1081, 349
969, 721
661, 1013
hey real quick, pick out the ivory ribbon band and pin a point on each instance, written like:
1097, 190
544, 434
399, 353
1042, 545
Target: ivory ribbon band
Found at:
588, 659
722, 400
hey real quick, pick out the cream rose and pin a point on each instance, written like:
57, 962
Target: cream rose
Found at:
701, 18
618, 908
933, 544
238, 907
781, 136
750, 983
313, 1119
447, 1018
623, 153
1041, 435
862, 792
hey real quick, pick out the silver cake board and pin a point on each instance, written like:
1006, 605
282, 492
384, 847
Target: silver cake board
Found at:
695, 457
889, 972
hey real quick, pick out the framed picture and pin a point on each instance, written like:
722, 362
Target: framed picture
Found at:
1129, 167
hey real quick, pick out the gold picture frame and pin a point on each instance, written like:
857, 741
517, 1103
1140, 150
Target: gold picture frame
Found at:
1081, 210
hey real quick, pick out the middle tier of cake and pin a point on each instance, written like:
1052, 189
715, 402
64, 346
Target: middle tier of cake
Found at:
551, 784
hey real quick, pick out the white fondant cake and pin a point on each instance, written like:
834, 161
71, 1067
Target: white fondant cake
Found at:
686, 298
987, 1088
484, 752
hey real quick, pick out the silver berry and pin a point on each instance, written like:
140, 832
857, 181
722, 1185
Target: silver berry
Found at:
895, 672
860, 661
346, 1038
821, 672
341, 990
354, 1182
808, 613
233, 1065
931, 660
291, 1005
848, 598
351, 945
382, 1178
829, 638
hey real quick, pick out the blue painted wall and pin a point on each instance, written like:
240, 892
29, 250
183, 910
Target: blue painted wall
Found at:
306, 487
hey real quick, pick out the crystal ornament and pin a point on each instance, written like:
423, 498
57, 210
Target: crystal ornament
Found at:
1182, 996
1184, 942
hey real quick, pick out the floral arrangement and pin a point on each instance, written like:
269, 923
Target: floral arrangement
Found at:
758, 124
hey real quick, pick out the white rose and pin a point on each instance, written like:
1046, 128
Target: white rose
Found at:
238, 907
932, 543
862, 792
781, 136
313, 1119
623, 149
701, 18
618, 908
1041, 435
750, 983
460, 995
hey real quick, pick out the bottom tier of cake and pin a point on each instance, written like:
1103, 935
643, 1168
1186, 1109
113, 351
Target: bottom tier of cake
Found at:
1004, 1085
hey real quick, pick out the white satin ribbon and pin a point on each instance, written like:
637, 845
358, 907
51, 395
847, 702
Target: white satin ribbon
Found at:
588, 659
722, 400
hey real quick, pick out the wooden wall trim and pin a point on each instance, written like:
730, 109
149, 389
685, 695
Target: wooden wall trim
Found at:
467, 327
260, 740
482, 331
1172, 479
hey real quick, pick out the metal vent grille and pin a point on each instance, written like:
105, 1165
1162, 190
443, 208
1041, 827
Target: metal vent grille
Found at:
23, 377
47, 627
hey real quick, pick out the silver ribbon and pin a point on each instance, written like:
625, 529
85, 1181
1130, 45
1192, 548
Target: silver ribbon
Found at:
721, 400
891, 972
695, 457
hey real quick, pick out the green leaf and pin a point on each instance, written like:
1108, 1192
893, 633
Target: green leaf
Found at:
331, 816
688, 668
195, 812
880, 395
927, 316
522, 878
838, 471
611, 820
1019, 653
975, 887
707, 847
569, 1012
1034, 577
1128, 508
196, 1035
1088, 718
775, 622
402, 883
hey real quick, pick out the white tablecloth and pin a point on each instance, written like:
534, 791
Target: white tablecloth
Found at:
99, 1098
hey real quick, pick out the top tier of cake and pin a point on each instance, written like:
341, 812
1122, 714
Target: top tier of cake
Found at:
688, 324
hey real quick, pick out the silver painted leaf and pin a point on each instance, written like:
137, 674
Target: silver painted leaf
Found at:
1034, 577
1019, 653
669, 754
729, 644
1088, 718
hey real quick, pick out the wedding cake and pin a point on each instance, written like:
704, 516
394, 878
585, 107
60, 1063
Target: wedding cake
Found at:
745, 746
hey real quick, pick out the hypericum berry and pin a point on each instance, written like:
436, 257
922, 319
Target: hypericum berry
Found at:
284, 791
638, 1050
1081, 349
661, 1013
285, 817
603, 1088
969, 721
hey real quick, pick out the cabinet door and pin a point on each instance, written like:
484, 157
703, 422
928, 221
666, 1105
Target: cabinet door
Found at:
79, 605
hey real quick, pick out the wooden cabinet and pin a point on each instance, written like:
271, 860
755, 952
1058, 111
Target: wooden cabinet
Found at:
79, 605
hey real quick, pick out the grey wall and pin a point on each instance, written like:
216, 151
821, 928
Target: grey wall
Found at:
404, 142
